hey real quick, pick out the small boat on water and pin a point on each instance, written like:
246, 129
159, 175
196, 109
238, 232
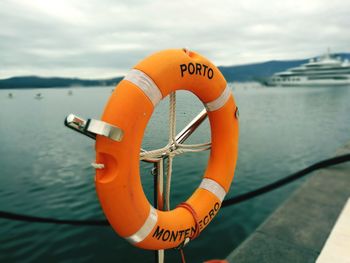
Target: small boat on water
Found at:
327, 70
39, 96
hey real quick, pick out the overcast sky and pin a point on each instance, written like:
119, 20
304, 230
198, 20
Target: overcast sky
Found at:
99, 39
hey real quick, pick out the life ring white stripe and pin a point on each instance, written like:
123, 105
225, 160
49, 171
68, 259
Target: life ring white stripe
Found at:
214, 188
146, 229
146, 84
220, 101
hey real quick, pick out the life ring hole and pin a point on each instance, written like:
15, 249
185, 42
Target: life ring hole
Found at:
188, 168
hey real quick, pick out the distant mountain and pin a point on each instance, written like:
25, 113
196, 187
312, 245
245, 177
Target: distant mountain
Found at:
259, 71
40, 82
250, 72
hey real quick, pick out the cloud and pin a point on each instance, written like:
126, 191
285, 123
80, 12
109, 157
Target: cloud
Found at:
106, 38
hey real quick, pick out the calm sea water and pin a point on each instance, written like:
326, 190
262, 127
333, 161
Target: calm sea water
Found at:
45, 167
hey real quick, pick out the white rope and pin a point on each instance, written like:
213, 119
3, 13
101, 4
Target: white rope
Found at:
172, 117
167, 150
208, 144
172, 142
153, 153
189, 150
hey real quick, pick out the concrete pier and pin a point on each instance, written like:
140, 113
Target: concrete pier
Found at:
298, 230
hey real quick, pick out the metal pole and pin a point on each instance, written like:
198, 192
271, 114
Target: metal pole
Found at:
158, 196
191, 127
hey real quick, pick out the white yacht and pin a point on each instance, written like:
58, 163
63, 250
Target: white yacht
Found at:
326, 70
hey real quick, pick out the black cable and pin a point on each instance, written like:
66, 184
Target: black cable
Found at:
35, 219
285, 180
225, 203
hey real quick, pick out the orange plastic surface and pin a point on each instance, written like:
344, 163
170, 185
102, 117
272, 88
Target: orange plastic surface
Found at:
119, 186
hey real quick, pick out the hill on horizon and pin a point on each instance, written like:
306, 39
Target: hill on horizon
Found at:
239, 73
49, 82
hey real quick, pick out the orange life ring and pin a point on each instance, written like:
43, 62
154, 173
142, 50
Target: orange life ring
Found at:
130, 107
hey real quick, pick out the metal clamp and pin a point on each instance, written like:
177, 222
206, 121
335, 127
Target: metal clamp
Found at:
92, 127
